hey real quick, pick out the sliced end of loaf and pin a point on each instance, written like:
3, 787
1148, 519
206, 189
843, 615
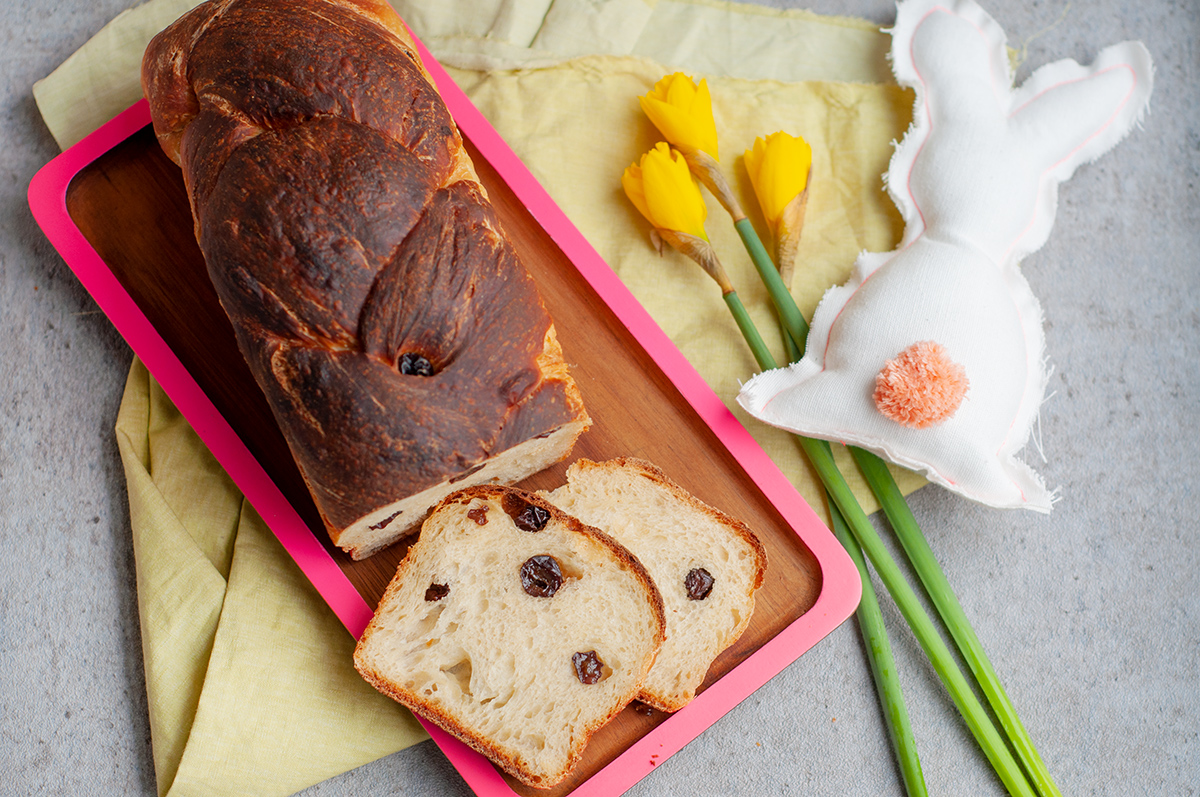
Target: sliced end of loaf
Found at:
384, 526
387, 524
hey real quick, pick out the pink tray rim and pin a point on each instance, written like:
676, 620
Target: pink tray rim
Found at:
841, 587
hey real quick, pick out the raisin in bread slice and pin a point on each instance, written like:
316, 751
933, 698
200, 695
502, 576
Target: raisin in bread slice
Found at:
516, 628
707, 565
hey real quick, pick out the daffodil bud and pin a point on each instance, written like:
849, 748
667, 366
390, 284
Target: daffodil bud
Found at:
682, 112
662, 189
778, 167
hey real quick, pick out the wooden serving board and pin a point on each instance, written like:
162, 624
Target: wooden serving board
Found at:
127, 202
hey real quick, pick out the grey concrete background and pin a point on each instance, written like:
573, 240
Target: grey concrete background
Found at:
1091, 615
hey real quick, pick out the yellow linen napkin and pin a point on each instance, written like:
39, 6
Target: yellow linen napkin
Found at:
248, 672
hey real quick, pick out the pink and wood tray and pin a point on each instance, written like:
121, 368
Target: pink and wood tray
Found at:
115, 208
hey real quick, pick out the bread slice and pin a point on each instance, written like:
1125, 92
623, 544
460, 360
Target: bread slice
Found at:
477, 633
678, 538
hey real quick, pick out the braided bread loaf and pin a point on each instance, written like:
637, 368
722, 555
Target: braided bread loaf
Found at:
401, 344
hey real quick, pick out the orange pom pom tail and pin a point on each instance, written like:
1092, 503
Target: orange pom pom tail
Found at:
921, 387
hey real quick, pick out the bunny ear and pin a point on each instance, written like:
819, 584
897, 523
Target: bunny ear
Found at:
960, 49
1070, 114
982, 160
973, 23
1091, 108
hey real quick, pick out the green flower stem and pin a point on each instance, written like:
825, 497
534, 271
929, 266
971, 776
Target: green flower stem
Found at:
789, 314
883, 485
792, 325
883, 665
944, 600
870, 618
820, 455
746, 325
794, 352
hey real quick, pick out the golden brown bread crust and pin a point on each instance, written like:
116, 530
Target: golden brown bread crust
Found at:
343, 229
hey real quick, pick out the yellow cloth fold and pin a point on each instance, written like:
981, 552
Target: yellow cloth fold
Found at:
707, 36
248, 672
249, 680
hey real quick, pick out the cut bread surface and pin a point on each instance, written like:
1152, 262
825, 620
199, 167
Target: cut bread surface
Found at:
383, 527
706, 565
516, 628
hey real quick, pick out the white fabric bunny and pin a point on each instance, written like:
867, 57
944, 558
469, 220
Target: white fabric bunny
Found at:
976, 180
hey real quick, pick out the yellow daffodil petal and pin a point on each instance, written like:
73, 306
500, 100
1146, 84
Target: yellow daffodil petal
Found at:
663, 190
778, 167
631, 181
682, 111
671, 192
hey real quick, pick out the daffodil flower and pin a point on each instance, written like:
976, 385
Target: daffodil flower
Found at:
779, 168
682, 111
662, 189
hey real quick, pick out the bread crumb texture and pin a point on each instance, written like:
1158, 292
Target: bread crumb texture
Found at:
459, 638
673, 534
